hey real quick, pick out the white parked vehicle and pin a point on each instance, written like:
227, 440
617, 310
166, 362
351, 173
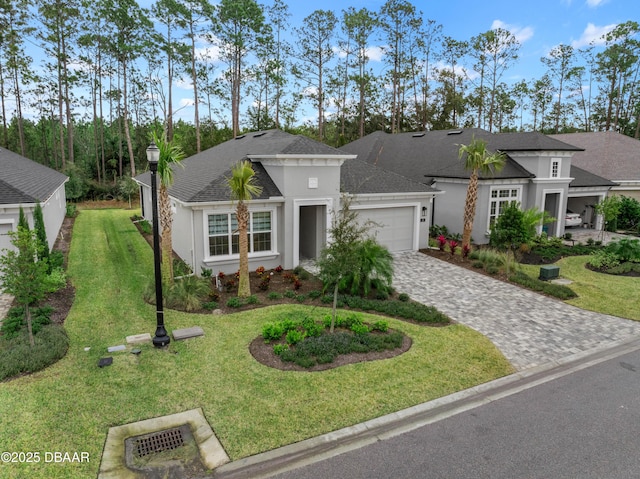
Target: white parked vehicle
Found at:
572, 219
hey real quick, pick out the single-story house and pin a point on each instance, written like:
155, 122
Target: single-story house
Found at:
538, 173
25, 183
302, 184
610, 155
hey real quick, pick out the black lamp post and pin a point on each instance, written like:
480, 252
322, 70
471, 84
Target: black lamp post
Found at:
161, 338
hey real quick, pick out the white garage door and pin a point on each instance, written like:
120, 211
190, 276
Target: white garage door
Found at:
396, 230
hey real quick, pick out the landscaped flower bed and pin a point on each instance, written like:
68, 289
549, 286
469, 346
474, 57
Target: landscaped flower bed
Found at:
304, 344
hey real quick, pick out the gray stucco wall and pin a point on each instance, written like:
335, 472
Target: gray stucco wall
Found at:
54, 210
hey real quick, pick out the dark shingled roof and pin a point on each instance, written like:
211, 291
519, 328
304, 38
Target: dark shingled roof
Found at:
360, 177
606, 153
23, 181
435, 153
583, 178
204, 175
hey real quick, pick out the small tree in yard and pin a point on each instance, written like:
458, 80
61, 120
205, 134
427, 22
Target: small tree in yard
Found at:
337, 259
609, 209
477, 160
243, 185
510, 230
41, 232
21, 274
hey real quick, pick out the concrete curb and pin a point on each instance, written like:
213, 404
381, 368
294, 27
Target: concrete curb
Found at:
316, 449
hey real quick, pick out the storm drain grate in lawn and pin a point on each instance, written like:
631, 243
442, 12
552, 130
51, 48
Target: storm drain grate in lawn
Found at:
159, 442
178, 445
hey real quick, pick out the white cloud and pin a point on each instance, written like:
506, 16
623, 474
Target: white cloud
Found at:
595, 3
522, 34
458, 70
592, 35
375, 54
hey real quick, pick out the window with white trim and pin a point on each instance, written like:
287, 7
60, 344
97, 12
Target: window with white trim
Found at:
224, 237
500, 198
555, 168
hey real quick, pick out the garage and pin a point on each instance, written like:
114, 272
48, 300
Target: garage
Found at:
396, 226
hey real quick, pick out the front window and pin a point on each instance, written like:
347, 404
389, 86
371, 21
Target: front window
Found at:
224, 236
500, 198
555, 168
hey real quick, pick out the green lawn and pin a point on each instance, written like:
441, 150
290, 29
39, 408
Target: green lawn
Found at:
604, 293
70, 406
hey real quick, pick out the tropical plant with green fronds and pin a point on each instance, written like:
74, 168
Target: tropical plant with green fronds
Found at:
187, 293
170, 156
373, 269
477, 160
244, 187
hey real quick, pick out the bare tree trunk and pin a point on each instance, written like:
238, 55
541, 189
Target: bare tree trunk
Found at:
67, 102
470, 208
166, 223
19, 114
127, 134
5, 130
242, 213
194, 77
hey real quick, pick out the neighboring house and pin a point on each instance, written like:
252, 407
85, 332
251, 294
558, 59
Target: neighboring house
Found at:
25, 183
302, 182
610, 155
538, 173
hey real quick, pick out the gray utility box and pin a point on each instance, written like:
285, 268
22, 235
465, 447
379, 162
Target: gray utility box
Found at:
548, 272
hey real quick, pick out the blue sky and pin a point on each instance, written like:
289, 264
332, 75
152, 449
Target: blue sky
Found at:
539, 25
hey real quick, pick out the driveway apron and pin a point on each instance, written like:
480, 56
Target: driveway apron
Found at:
528, 328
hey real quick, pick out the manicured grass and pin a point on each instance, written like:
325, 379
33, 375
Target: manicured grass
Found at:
70, 406
604, 293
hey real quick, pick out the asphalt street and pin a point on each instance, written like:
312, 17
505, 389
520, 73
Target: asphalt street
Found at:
585, 424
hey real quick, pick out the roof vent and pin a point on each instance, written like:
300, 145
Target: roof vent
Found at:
418, 135
454, 132
262, 133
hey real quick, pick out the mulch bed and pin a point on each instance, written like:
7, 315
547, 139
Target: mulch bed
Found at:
62, 300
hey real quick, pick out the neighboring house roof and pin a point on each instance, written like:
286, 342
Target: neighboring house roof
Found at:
606, 153
204, 176
429, 154
24, 181
360, 177
583, 178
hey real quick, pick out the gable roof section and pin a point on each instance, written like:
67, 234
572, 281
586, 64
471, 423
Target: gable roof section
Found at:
24, 181
435, 153
606, 153
204, 176
360, 177
583, 178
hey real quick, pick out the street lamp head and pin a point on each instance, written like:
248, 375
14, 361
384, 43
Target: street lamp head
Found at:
153, 153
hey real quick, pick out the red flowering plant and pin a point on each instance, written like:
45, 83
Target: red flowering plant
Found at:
453, 244
466, 249
442, 241
260, 270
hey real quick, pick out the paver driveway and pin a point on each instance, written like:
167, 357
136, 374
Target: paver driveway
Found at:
529, 329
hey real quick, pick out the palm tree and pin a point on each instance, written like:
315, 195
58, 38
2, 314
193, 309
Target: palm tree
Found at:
170, 155
477, 160
243, 187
